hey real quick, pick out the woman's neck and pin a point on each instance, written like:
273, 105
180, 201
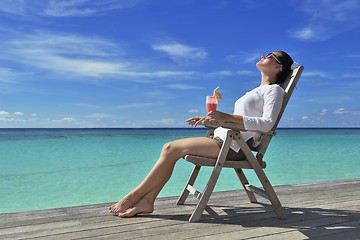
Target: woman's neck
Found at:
266, 79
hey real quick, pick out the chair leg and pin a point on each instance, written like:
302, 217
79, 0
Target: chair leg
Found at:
275, 202
245, 184
191, 181
200, 207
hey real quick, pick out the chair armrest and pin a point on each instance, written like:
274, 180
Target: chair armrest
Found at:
228, 125
232, 126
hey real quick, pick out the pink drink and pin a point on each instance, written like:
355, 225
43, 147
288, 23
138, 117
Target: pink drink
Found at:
211, 107
211, 103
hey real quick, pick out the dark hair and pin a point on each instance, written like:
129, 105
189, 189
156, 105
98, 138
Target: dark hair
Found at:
286, 62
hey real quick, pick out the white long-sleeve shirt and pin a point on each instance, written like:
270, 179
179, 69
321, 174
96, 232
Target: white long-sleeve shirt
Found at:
260, 108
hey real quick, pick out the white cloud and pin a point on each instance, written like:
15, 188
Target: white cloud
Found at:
86, 105
4, 114
181, 53
332, 10
64, 120
61, 8
327, 18
180, 86
157, 74
340, 111
83, 67
16, 7
193, 111
164, 122
323, 112
9, 76
69, 54
243, 57
12, 119
9, 118
314, 74
227, 73
245, 73
224, 73
341, 117
64, 8
351, 75
334, 99
99, 115
138, 105
343, 111
78, 57
167, 121
305, 34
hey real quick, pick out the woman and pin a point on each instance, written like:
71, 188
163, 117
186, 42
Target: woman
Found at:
256, 110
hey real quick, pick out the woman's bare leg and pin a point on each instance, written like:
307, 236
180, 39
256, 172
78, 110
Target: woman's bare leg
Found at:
142, 198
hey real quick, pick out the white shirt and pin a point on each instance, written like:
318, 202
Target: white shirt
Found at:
260, 108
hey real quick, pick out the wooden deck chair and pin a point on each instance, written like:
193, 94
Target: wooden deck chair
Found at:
251, 161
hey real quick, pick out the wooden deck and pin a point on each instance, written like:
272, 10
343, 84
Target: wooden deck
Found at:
329, 210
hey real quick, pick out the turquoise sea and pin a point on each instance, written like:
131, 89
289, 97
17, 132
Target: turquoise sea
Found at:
50, 168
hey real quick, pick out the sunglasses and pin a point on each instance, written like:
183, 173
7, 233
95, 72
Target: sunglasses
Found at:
269, 55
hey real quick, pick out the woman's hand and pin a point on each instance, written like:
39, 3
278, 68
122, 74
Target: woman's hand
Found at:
214, 116
217, 116
211, 116
194, 121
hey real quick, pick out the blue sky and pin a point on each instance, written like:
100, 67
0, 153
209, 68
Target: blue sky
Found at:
150, 63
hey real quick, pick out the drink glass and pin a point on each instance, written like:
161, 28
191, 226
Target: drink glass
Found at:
211, 103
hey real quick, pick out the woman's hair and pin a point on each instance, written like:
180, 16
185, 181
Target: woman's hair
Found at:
286, 62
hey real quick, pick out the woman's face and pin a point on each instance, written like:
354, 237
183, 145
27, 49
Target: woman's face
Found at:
269, 64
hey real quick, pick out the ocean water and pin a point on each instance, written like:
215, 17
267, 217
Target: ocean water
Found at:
50, 168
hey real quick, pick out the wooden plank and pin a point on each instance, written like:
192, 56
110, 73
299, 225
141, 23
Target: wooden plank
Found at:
353, 234
318, 210
335, 229
134, 227
189, 208
265, 231
295, 221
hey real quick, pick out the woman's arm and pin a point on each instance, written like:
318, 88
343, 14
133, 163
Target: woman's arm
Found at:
272, 100
217, 116
225, 117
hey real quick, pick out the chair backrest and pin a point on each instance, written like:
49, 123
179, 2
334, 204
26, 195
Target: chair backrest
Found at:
289, 86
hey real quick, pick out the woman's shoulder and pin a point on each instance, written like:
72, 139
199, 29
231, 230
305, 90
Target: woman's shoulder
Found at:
272, 88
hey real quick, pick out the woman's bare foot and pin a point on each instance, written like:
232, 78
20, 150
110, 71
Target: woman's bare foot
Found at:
122, 205
142, 206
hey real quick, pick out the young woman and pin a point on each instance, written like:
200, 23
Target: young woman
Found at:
256, 110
